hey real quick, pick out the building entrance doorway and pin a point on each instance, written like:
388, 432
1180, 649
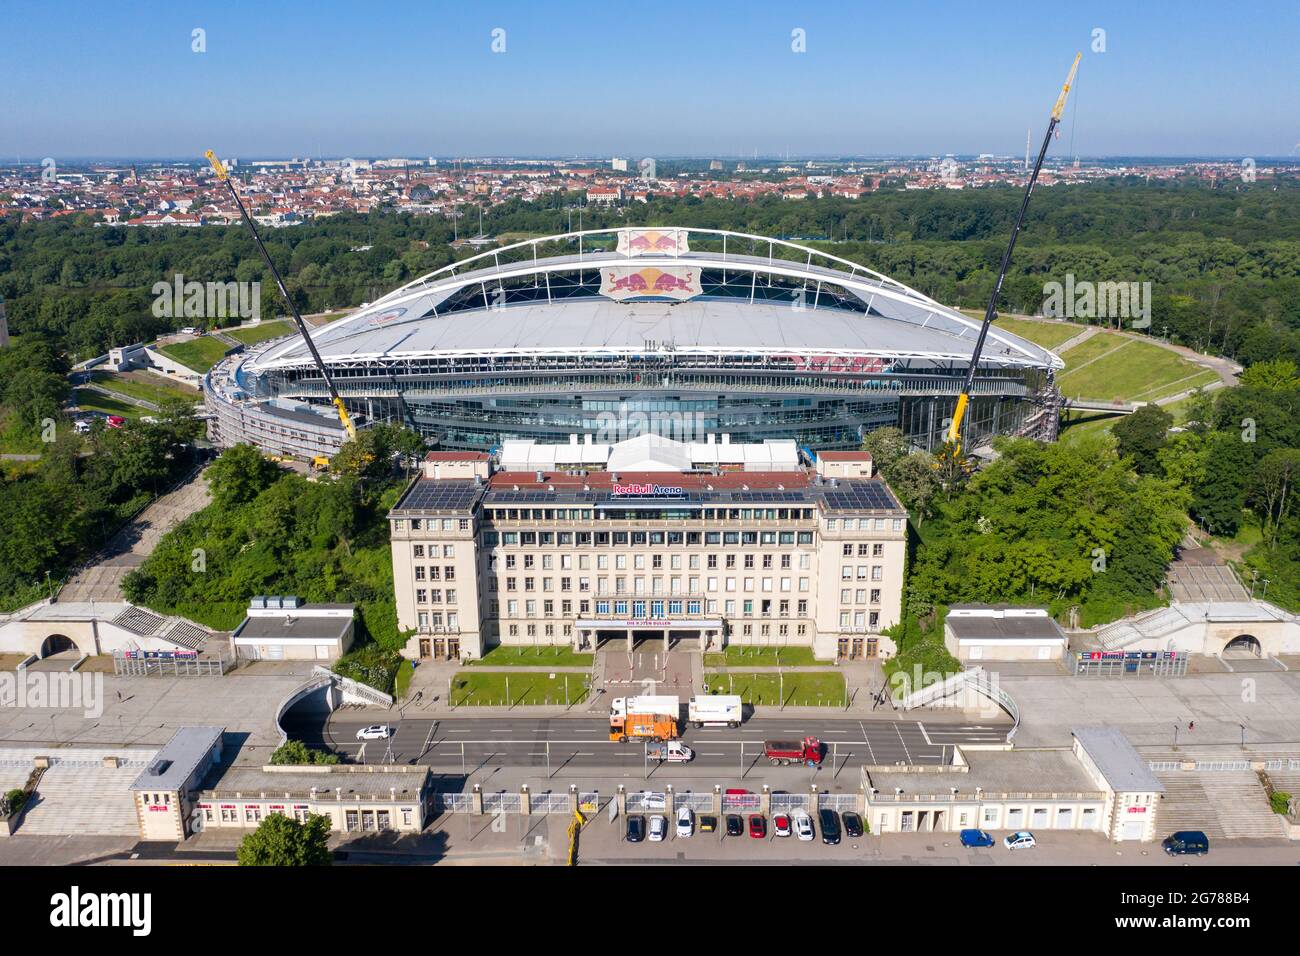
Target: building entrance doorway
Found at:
1244, 645
57, 644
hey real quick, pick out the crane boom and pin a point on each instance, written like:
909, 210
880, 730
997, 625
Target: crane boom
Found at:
963, 399
220, 169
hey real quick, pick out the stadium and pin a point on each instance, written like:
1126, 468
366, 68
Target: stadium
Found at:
681, 332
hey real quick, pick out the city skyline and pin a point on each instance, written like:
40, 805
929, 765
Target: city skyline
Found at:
508, 80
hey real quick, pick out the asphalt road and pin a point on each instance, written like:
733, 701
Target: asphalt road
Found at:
472, 744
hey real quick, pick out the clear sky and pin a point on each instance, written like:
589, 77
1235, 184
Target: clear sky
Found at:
710, 77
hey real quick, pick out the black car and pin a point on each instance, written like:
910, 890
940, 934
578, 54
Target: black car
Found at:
830, 821
735, 825
852, 825
635, 828
1186, 842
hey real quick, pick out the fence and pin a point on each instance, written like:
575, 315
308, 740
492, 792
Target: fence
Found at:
840, 801
503, 802
548, 803
699, 802
740, 802
644, 800
789, 802
176, 667
454, 802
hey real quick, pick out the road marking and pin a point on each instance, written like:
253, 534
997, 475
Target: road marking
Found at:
867, 740
924, 734
906, 753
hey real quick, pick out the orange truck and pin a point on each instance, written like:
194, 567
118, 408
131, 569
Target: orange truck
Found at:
656, 727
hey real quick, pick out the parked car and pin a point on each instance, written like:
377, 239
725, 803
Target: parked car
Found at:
975, 838
115, 421
853, 827
1186, 842
375, 732
757, 826
635, 828
658, 828
781, 824
830, 821
735, 825
685, 822
708, 824
1020, 840
82, 426
803, 827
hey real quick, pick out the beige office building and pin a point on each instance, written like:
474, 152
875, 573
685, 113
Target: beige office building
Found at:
671, 553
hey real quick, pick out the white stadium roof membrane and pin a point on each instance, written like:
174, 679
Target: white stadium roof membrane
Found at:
899, 322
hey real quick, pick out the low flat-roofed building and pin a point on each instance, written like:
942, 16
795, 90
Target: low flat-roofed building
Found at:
844, 464
165, 790
1133, 792
980, 632
284, 629
357, 798
988, 790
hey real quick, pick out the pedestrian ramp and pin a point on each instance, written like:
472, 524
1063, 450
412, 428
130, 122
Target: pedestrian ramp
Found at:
1225, 806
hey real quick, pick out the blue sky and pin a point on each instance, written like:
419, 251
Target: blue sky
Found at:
673, 78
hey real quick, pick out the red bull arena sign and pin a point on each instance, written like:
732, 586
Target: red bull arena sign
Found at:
646, 490
623, 282
645, 242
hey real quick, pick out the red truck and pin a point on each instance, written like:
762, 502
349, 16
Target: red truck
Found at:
784, 752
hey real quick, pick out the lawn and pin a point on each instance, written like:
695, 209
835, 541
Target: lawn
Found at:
737, 656
800, 689
541, 656
1049, 333
93, 401
198, 354
259, 333
503, 688
136, 387
1115, 368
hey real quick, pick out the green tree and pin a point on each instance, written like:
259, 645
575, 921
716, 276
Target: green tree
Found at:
240, 475
886, 446
283, 841
1278, 375
296, 753
915, 479
1142, 435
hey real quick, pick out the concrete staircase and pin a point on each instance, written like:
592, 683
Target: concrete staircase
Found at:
1227, 806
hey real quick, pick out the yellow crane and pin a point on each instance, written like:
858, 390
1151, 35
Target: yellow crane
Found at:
223, 176
953, 438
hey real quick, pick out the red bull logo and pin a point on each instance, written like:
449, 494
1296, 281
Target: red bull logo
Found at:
384, 318
641, 242
623, 284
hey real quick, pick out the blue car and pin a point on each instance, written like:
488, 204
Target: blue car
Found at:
975, 838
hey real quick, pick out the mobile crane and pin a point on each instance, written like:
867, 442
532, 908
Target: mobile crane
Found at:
953, 438
223, 176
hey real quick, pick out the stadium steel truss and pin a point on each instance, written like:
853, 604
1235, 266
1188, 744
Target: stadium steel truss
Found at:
677, 331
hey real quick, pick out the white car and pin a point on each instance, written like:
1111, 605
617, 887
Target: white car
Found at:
1020, 840
803, 827
658, 828
375, 732
685, 822
781, 824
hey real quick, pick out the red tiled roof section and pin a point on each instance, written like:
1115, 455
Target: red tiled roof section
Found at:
844, 455
730, 481
456, 456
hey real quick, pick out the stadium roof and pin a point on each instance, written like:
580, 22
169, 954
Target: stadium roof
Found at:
887, 320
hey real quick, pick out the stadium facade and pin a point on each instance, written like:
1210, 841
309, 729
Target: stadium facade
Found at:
673, 331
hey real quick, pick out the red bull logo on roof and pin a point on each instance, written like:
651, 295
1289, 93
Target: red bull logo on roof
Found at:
646, 242
386, 317
622, 283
